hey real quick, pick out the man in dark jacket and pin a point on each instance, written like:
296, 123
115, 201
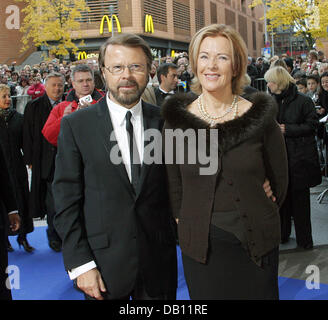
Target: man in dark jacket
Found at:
83, 85
114, 218
39, 154
167, 74
7, 210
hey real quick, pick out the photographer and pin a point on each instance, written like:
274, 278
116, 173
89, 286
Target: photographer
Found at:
184, 71
82, 95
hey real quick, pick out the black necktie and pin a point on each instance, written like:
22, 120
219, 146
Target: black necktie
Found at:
134, 155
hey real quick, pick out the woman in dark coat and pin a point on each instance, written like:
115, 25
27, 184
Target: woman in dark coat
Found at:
298, 122
229, 230
11, 136
323, 95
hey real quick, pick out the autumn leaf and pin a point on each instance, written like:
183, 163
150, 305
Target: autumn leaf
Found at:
308, 17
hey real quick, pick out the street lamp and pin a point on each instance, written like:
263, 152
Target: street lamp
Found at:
111, 11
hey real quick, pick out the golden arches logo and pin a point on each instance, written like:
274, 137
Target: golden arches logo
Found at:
109, 24
82, 55
149, 24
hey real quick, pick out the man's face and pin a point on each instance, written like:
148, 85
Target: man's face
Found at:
54, 88
125, 88
170, 81
83, 84
4, 79
302, 88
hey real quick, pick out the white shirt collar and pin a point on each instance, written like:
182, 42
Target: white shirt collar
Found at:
120, 111
171, 92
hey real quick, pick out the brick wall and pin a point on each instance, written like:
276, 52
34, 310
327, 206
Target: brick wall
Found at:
10, 37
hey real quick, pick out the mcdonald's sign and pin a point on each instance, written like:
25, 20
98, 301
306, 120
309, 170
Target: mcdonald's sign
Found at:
109, 24
82, 55
149, 24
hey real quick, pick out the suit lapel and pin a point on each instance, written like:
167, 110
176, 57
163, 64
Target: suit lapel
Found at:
149, 122
105, 128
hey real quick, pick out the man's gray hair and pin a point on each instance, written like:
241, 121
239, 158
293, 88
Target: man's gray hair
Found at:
81, 68
55, 75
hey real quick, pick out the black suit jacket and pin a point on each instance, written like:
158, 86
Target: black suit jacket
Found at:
99, 217
38, 152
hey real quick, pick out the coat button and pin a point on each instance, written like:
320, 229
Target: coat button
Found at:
237, 200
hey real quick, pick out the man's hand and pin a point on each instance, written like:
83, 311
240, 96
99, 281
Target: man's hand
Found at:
282, 128
68, 110
321, 111
91, 283
268, 191
84, 104
14, 221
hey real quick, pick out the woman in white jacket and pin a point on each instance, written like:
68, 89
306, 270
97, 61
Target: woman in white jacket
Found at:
22, 96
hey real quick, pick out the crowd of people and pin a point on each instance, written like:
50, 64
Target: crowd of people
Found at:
114, 223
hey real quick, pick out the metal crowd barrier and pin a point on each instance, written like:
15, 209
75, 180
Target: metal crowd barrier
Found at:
260, 84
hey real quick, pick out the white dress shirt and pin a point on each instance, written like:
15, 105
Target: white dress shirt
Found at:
117, 114
171, 92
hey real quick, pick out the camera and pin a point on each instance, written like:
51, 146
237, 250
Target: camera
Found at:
86, 99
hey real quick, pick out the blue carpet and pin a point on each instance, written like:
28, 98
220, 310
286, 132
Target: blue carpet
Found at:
42, 276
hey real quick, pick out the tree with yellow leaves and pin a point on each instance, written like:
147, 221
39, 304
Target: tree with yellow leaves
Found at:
308, 17
52, 21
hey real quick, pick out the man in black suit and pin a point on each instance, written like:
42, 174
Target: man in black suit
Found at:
167, 74
114, 219
8, 209
39, 154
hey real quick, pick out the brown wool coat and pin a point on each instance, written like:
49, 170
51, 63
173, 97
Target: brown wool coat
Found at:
250, 148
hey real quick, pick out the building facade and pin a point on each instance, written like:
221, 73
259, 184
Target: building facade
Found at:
165, 24
174, 21
10, 37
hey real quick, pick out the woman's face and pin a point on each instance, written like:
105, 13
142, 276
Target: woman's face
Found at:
5, 100
324, 83
214, 64
273, 87
312, 85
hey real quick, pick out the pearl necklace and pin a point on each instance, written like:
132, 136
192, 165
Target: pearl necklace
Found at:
212, 120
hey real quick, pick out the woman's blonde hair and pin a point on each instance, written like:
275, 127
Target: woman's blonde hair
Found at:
4, 87
280, 76
238, 49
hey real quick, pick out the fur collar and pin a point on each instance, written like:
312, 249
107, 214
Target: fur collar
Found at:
231, 133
